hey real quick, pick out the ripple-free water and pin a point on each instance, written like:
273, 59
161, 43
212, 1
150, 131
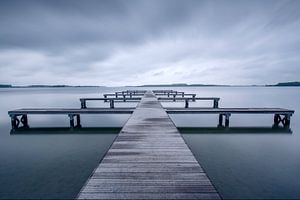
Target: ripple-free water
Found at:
55, 163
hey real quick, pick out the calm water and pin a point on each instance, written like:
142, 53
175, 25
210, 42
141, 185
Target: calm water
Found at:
55, 163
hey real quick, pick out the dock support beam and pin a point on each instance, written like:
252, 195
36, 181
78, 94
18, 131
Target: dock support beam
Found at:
24, 121
227, 116
216, 103
83, 104
186, 103
111, 103
285, 120
72, 121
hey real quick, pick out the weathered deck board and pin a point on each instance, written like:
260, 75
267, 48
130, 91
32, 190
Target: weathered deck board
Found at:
149, 160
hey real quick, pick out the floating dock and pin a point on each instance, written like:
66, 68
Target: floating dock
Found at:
149, 160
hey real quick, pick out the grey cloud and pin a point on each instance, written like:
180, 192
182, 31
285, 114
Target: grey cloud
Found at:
144, 42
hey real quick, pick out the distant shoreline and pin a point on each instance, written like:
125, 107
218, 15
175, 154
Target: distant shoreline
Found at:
283, 84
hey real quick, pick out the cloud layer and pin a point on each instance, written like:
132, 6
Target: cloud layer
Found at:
149, 42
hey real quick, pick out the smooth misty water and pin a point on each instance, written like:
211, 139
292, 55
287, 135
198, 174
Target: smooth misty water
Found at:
55, 163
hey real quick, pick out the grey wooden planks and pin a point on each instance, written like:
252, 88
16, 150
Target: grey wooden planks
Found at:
149, 160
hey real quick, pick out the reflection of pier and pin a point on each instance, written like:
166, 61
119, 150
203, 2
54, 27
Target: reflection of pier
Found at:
19, 117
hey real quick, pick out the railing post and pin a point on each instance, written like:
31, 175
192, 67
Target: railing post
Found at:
216, 103
78, 124
71, 116
24, 121
116, 94
14, 122
287, 120
220, 120
83, 103
168, 94
174, 97
186, 103
124, 97
112, 103
182, 94
277, 119
227, 115
105, 96
194, 97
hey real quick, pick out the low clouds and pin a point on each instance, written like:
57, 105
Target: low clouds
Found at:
149, 42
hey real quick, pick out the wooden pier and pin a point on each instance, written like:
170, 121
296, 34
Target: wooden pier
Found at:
149, 160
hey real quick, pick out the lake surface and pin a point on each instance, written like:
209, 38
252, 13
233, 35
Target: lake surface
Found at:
247, 162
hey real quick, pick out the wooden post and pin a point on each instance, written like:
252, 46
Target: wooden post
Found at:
287, 121
78, 124
194, 97
186, 103
216, 103
71, 116
182, 94
227, 115
105, 96
276, 119
220, 120
174, 96
24, 121
112, 103
168, 94
116, 94
124, 97
83, 103
14, 122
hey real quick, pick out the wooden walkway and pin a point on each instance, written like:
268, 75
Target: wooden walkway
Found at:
149, 160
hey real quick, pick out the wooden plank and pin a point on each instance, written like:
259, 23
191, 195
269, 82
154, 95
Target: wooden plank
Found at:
71, 111
229, 110
149, 160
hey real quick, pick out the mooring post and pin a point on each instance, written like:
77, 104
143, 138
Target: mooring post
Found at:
111, 103
220, 120
78, 124
186, 103
216, 103
227, 115
194, 97
71, 116
24, 121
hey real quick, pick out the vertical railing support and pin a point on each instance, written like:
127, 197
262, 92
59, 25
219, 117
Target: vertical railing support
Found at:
220, 120
227, 115
111, 102
194, 97
83, 103
71, 116
78, 123
24, 121
216, 103
105, 96
186, 103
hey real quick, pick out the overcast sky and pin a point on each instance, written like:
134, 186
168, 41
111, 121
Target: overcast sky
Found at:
149, 42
